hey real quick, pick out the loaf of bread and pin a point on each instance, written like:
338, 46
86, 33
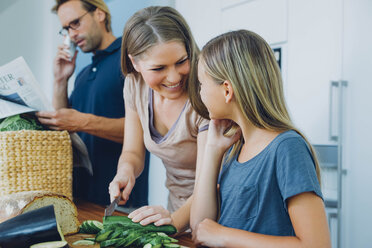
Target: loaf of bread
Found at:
22, 202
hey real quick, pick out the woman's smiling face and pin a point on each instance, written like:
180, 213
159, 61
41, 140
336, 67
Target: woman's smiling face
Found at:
165, 68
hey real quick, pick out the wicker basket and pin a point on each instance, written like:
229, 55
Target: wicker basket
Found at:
35, 160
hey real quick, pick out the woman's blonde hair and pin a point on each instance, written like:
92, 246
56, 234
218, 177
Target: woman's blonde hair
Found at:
247, 61
158, 24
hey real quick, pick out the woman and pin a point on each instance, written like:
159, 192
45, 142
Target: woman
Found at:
159, 61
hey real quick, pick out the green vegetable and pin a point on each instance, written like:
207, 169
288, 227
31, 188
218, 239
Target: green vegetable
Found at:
171, 246
30, 228
91, 227
110, 242
120, 231
83, 242
20, 122
52, 244
103, 235
126, 222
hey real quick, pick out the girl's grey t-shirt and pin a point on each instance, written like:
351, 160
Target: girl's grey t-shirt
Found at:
253, 194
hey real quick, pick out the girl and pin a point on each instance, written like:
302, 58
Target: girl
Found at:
269, 183
159, 61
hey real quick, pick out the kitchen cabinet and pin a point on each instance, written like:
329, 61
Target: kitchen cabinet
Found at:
314, 60
267, 17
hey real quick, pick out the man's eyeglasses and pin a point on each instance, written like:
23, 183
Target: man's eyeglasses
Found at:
74, 25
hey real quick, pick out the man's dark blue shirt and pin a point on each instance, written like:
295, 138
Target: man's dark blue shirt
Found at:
99, 91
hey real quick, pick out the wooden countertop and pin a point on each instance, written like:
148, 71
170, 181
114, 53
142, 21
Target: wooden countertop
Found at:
91, 211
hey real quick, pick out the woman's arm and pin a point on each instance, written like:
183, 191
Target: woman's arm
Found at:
308, 218
131, 161
180, 218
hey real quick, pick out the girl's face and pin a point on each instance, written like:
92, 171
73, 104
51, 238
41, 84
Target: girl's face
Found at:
211, 93
165, 68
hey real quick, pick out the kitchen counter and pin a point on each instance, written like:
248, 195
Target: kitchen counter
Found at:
91, 211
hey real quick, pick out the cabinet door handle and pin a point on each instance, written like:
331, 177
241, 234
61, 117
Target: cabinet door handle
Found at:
333, 85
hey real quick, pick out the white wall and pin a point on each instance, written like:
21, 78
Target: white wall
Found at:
356, 69
29, 29
200, 15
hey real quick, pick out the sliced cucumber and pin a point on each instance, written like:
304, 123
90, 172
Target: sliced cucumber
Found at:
110, 242
91, 239
84, 242
127, 222
91, 227
171, 245
53, 244
103, 235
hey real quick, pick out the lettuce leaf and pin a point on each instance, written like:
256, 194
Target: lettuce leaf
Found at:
18, 122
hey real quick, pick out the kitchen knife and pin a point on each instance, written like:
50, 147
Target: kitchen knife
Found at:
111, 208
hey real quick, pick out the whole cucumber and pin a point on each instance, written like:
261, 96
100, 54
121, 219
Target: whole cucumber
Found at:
127, 222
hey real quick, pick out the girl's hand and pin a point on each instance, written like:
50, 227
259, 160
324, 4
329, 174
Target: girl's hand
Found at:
217, 134
208, 233
151, 214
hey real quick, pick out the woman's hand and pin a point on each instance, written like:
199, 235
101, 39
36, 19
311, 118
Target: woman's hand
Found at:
217, 134
208, 233
124, 179
151, 214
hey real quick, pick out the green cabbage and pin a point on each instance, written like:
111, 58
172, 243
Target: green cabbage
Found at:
20, 122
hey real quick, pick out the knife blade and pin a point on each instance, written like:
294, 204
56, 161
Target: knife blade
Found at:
111, 208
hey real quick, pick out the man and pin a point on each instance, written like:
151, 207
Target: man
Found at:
95, 108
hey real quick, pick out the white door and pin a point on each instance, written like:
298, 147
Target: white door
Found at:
357, 70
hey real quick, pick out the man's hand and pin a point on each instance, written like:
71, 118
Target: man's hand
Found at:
63, 119
63, 67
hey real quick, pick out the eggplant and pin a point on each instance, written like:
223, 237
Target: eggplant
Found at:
30, 228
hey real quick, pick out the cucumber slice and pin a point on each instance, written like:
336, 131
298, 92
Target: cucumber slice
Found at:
84, 242
110, 242
91, 227
53, 244
103, 235
90, 239
96, 225
171, 245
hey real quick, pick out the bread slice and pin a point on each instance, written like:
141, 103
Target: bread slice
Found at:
22, 202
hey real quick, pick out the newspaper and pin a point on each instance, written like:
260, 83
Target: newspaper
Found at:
20, 93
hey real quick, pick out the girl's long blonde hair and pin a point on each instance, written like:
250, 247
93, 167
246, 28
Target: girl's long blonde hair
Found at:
247, 61
159, 24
